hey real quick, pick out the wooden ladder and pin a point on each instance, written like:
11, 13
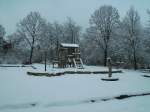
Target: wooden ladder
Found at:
78, 63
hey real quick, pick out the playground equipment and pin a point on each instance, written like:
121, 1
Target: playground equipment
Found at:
68, 56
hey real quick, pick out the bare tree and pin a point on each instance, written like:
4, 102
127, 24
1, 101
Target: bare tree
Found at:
72, 31
91, 51
146, 42
2, 33
30, 29
58, 35
46, 38
132, 30
148, 26
105, 19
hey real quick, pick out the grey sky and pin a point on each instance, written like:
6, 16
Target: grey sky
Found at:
12, 11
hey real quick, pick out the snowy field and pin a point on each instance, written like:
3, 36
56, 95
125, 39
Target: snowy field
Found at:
20, 92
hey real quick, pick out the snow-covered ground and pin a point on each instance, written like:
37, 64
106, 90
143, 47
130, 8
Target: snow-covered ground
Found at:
41, 69
20, 92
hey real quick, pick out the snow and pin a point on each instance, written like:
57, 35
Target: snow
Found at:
59, 70
69, 93
69, 45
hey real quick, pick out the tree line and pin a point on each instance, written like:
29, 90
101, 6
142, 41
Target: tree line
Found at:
124, 40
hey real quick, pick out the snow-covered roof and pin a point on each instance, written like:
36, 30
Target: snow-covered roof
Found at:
69, 45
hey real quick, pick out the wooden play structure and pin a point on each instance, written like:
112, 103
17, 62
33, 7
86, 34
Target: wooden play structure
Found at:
68, 56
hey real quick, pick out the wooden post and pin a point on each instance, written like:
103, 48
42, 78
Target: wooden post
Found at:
109, 67
45, 60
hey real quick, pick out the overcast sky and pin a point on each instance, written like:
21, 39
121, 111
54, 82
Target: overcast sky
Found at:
12, 11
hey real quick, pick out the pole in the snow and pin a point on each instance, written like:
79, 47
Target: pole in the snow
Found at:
109, 63
45, 59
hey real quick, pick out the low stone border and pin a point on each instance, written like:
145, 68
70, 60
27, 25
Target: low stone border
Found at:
125, 96
110, 79
148, 76
106, 72
45, 74
18, 66
70, 72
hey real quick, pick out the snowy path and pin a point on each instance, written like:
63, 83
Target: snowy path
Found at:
71, 103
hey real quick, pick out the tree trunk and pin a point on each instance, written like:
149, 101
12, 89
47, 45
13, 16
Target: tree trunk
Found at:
135, 61
31, 52
72, 37
106, 41
57, 51
45, 59
105, 57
